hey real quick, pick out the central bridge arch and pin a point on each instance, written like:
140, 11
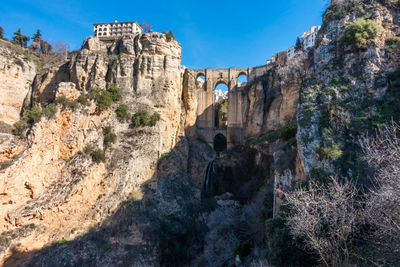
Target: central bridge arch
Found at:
236, 80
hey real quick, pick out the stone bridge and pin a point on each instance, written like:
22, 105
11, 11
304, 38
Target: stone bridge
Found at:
205, 114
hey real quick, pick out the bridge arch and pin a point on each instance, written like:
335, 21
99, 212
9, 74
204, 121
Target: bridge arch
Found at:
221, 82
242, 78
201, 81
220, 143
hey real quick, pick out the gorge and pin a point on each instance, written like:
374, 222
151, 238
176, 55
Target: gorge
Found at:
86, 184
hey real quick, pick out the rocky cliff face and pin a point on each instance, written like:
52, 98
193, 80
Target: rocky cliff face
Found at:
53, 188
344, 96
17, 74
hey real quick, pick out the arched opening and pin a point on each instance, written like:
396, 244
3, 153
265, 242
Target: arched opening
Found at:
221, 106
201, 82
242, 79
220, 143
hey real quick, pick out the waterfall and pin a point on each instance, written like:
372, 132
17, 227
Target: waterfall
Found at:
208, 176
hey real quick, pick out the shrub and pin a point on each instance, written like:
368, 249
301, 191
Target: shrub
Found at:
50, 111
361, 32
170, 36
326, 217
154, 119
291, 142
96, 153
335, 81
392, 43
19, 128
73, 104
109, 136
285, 133
283, 250
320, 175
62, 100
83, 100
5, 164
105, 98
115, 93
123, 113
33, 115
140, 118
332, 152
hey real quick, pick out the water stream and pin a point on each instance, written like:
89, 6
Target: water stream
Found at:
208, 176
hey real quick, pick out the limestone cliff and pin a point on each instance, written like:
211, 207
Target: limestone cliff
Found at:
17, 72
53, 186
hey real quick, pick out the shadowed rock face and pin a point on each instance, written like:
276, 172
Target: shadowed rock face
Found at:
219, 143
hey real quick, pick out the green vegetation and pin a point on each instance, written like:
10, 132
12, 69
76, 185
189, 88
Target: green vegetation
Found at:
392, 43
1, 33
289, 143
61, 241
19, 128
105, 98
81, 235
109, 136
306, 113
320, 175
20, 39
169, 36
37, 36
5, 164
361, 32
33, 115
65, 103
102, 97
62, 100
114, 92
141, 118
96, 154
283, 249
299, 44
166, 155
335, 80
123, 113
83, 100
154, 119
50, 111
286, 133
332, 152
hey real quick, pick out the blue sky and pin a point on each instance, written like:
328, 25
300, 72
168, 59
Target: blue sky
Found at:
213, 34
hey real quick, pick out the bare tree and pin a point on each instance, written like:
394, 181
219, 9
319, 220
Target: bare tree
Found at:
146, 26
60, 47
325, 217
383, 204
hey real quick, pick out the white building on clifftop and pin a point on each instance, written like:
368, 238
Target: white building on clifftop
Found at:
116, 28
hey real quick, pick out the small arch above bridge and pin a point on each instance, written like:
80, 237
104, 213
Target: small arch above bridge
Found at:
242, 79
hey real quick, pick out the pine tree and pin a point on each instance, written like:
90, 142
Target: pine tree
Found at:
20, 39
37, 36
299, 44
1, 33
